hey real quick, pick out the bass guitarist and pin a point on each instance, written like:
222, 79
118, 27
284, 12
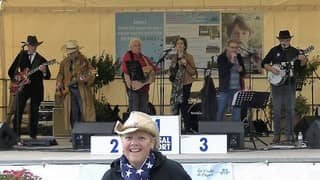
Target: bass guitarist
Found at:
33, 84
284, 94
139, 73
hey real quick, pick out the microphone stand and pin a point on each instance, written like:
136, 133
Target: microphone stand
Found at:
250, 54
161, 62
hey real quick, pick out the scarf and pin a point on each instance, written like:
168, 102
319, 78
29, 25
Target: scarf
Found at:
128, 172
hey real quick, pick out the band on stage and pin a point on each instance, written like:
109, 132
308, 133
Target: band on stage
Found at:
76, 77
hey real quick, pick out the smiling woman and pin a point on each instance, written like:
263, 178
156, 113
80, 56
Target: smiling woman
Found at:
141, 158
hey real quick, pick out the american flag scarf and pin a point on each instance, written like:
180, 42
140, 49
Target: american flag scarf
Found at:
128, 172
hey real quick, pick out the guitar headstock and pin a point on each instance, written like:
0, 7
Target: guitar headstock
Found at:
50, 62
308, 49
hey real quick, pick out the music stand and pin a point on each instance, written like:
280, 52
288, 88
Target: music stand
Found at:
251, 99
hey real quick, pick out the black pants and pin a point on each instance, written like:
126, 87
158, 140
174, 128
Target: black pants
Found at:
34, 113
184, 107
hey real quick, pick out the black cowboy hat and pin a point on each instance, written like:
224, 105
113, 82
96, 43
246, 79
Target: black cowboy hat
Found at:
285, 34
32, 41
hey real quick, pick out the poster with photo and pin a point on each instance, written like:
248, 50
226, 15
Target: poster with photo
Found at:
202, 31
247, 28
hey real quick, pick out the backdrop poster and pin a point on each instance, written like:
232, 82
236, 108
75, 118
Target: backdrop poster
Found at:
146, 26
248, 29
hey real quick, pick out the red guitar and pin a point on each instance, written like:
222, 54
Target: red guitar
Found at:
22, 78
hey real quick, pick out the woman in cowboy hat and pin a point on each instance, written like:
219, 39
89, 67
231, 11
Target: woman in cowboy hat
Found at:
74, 84
284, 94
25, 61
141, 158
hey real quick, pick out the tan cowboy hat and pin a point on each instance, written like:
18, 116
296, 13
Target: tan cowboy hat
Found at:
71, 46
138, 121
32, 41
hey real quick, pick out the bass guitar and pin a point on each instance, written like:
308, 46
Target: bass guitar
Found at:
280, 79
22, 78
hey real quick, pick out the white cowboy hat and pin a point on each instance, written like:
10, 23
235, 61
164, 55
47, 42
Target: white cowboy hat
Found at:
71, 46
138, 121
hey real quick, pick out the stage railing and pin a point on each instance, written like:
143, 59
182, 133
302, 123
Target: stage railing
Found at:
50, 91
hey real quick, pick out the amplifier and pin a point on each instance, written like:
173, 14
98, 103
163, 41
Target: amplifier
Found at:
45, 115
47, 105
82, 132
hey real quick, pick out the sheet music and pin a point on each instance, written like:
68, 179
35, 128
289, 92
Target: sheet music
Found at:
242, 98
250, 99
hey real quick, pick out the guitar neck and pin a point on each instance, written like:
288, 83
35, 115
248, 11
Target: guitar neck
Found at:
32, 71
37, 68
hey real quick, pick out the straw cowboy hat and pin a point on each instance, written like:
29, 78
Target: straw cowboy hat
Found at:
138, 121
285, 34
71, 46
32, 41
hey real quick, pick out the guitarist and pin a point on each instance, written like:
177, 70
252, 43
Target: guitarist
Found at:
75, 85
139, 73
283, 94
33, 88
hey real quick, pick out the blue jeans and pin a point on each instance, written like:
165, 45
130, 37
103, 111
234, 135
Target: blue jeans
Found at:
283, 96
224, 99
76, 114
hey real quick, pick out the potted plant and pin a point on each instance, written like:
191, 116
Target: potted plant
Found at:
106, 71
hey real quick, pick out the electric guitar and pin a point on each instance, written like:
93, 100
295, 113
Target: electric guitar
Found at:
22, 78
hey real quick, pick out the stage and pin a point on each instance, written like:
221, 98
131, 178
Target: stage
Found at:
64, 154
263, 163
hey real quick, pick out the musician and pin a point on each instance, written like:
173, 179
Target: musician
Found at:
74, 84
139, 73
283, 94
182, 70
25, 61
231, 69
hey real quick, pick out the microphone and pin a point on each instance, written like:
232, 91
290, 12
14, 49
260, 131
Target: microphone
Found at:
250, 51
23, 44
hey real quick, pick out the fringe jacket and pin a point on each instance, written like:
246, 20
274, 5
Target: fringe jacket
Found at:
81, 67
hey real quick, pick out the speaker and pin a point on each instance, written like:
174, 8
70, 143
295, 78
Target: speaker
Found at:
50, 141
313, 134
82, 131
7, 137
304, 124
234, 131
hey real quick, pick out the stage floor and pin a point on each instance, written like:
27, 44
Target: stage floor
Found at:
64, 154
